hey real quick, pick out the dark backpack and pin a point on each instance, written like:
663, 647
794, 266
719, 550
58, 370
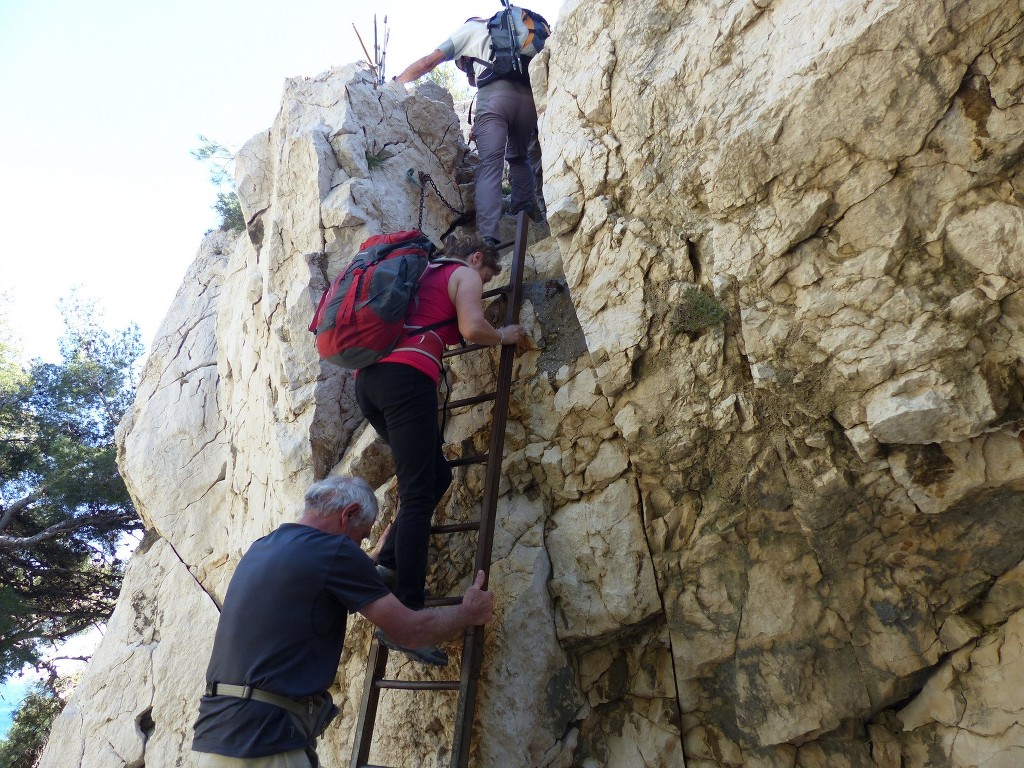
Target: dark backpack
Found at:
361, 318
510, 56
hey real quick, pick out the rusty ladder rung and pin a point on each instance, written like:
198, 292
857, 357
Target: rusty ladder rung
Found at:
472, 525
418, 685
459, 351
440, 602
462, 403
462, 461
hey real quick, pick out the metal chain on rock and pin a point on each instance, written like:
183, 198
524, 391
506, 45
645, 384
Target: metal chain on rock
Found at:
424, 180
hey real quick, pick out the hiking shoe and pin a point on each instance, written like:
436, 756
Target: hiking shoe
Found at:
388, 575
492, 241
428, 654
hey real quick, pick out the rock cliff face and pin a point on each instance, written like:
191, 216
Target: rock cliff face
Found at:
764, 478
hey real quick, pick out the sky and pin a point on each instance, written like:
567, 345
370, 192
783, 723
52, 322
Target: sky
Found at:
101, 103
11, 695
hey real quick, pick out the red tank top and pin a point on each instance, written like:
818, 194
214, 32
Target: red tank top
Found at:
423, 351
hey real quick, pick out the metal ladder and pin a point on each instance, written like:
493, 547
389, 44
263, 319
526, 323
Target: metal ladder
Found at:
473, 639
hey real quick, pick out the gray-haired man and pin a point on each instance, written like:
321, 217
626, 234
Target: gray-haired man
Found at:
282, 628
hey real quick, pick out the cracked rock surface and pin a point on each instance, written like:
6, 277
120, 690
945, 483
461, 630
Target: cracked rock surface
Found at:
763, 475
829, 475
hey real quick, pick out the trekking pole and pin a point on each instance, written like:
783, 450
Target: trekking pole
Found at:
384, 49
517, 62
378, 52
369, 61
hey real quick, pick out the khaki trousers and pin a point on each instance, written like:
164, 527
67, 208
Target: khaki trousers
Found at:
294, 759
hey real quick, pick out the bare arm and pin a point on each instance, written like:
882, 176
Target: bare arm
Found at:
431, 626
420, 67
465, 289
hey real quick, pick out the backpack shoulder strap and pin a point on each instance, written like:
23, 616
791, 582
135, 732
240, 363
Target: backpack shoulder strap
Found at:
435, 263
440, 261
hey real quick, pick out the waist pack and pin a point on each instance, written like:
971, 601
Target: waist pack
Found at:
517, 35
361, 318
314, 721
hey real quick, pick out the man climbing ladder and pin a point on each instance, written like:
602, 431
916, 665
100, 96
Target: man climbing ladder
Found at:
283, 625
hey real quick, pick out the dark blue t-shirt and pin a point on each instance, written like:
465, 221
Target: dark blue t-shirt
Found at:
281, 630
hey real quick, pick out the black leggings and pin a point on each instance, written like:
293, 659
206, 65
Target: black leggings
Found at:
400, 403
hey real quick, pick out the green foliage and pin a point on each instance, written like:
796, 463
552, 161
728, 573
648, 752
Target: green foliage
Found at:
31, 728
448, 76
221, 161
10, 371
230, 210
64, 508
376, 159
695, 312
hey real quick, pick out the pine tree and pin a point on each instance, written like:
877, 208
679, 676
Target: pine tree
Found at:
31, 728
64, 509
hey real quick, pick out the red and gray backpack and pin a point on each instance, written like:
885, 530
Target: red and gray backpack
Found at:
361, 318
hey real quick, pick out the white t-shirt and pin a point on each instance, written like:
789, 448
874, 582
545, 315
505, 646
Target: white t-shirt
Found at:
471, 39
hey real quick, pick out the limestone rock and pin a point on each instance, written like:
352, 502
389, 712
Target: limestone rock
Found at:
969, 712
853, 201
786, 534
141, 692
928, 408
603, 579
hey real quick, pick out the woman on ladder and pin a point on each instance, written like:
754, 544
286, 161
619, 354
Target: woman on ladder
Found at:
398, 396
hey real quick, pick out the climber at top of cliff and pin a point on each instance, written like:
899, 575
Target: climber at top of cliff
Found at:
496, 54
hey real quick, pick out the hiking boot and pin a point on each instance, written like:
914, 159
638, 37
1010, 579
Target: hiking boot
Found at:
428, 654
492, 241
388, 575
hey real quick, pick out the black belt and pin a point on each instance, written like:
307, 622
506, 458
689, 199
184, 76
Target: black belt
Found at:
248, 692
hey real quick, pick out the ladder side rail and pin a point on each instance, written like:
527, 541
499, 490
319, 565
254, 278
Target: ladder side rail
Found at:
473, 643
376, 665
501, 401
472, 661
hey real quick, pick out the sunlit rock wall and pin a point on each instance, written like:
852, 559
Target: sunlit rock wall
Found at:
831, 477
763, 478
